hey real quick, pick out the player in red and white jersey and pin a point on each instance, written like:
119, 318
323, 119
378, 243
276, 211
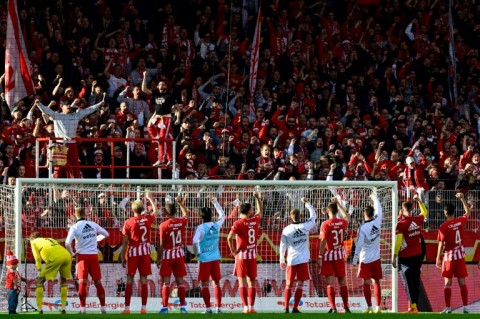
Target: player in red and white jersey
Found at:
408, 251
450, 236
331, 259
136, 249
245, 230
367, 251
295, 240
86, 234
170, 253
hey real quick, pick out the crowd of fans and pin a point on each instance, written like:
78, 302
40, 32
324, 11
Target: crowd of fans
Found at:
354, 91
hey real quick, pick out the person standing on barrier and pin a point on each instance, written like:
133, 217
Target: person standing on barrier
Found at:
57, 260
295, 240
367, 252
205, 246
450, 246
331, 259
86, 235
171, 254
246, 230
163, 125
409, 251
65, 127
136, 249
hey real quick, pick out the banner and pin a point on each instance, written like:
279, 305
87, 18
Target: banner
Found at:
255, 56
18, 82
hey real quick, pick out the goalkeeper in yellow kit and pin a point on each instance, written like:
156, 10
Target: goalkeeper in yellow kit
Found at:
57, 260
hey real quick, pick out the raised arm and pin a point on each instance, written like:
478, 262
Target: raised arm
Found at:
313, 213
153, 202
184, 210
220, 211
465, 204
145, 89
258, 201
342, 210
423, 208
377, 206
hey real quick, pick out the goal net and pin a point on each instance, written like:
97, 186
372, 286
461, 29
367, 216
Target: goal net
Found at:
48, 206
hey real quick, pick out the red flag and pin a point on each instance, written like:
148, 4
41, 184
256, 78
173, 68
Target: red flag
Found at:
18, 82
255, 56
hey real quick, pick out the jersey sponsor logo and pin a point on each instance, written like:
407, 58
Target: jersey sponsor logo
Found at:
212, 230
87, 228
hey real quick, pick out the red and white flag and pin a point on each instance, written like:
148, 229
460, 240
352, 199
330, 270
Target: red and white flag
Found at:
18, 82
255, 56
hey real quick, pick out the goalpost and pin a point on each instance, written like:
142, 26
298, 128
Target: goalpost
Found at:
46, 205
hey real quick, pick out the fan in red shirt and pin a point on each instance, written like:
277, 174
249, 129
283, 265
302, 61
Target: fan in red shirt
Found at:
409, 249
450, 236
246, 232
171, 253
136, 249
331, 259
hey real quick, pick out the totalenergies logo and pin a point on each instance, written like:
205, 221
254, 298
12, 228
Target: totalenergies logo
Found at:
57, 305
175, 304
290, 303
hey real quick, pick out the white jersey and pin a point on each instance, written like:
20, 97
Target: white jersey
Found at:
368, 239
295, 240
85, 234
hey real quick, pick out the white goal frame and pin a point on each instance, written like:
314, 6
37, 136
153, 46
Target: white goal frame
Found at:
20, 182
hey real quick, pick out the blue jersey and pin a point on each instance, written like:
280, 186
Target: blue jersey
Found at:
206, 238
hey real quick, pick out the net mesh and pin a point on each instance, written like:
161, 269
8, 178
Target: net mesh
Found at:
49, 208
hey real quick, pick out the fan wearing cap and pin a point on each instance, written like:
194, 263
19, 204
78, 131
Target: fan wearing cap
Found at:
13, 281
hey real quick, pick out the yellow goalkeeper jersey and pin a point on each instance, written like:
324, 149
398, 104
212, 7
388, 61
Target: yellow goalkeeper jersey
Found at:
47, 250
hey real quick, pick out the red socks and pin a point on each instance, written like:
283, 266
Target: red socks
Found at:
128, 294
181, 294
367, 293
82, 292
298, 296
165, 295
378, 293
286, 296
144, 294
252, 292
206, 296
344, 294
217, 290
464, 293
447, 292
100, 293
243, 295
331, 296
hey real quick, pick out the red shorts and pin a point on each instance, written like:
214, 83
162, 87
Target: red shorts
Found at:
245, 268
298, 272
209, 268
177, 266
454, 268
333, 268
88, 264
142, 263
371, 270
